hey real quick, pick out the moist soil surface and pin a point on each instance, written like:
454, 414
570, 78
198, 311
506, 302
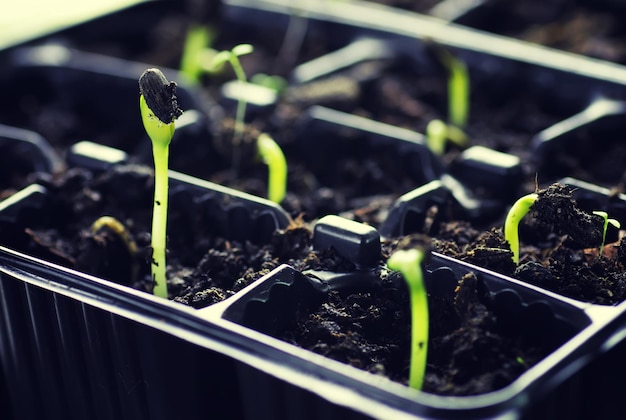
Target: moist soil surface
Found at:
471, 352
198, 260
560, 249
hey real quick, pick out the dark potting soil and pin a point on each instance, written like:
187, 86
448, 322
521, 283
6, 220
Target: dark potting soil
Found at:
470, 350
471, 353
63, 234
203, 268
559, 250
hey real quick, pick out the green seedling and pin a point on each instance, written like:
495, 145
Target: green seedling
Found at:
458, 88
196, 52
408, 263
276, 83
605, 217
159, 109
511, 224
438, 133
118, 229
274, 158
232, 57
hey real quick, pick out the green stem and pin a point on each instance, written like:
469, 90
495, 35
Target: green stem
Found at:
239, 115
408, 262
241, 104
159, 218
197, 40
232, 57
274, 158
159, 124
511, 225
605, 219
436, 134
458, 88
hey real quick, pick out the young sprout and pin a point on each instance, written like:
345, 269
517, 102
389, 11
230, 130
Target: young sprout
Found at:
274, 158
458, 88
276, 83
511, 224
195, 52
159, 109
118, 229
232, 57
408, 263
605, 217
438, 132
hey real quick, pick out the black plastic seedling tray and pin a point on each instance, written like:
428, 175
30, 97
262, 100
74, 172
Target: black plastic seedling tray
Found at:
541, 392
75, 346
92, 348
547, 71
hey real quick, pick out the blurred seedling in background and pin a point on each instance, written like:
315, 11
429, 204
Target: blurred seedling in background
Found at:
458, 88
273, 156
438, 133
273, 82
197, 53
232, 57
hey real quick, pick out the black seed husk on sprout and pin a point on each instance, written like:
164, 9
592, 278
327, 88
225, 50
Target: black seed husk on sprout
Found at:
159, 95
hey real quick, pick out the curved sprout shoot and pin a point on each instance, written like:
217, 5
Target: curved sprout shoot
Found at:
511, 225
118, 228
408, 263
605, 218
274, 158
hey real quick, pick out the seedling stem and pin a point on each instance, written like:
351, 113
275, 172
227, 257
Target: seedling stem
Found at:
232, 57
605, 217
458, 88
274, 158
511, 224
408, 263
159, 109
196, 46
438, 133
